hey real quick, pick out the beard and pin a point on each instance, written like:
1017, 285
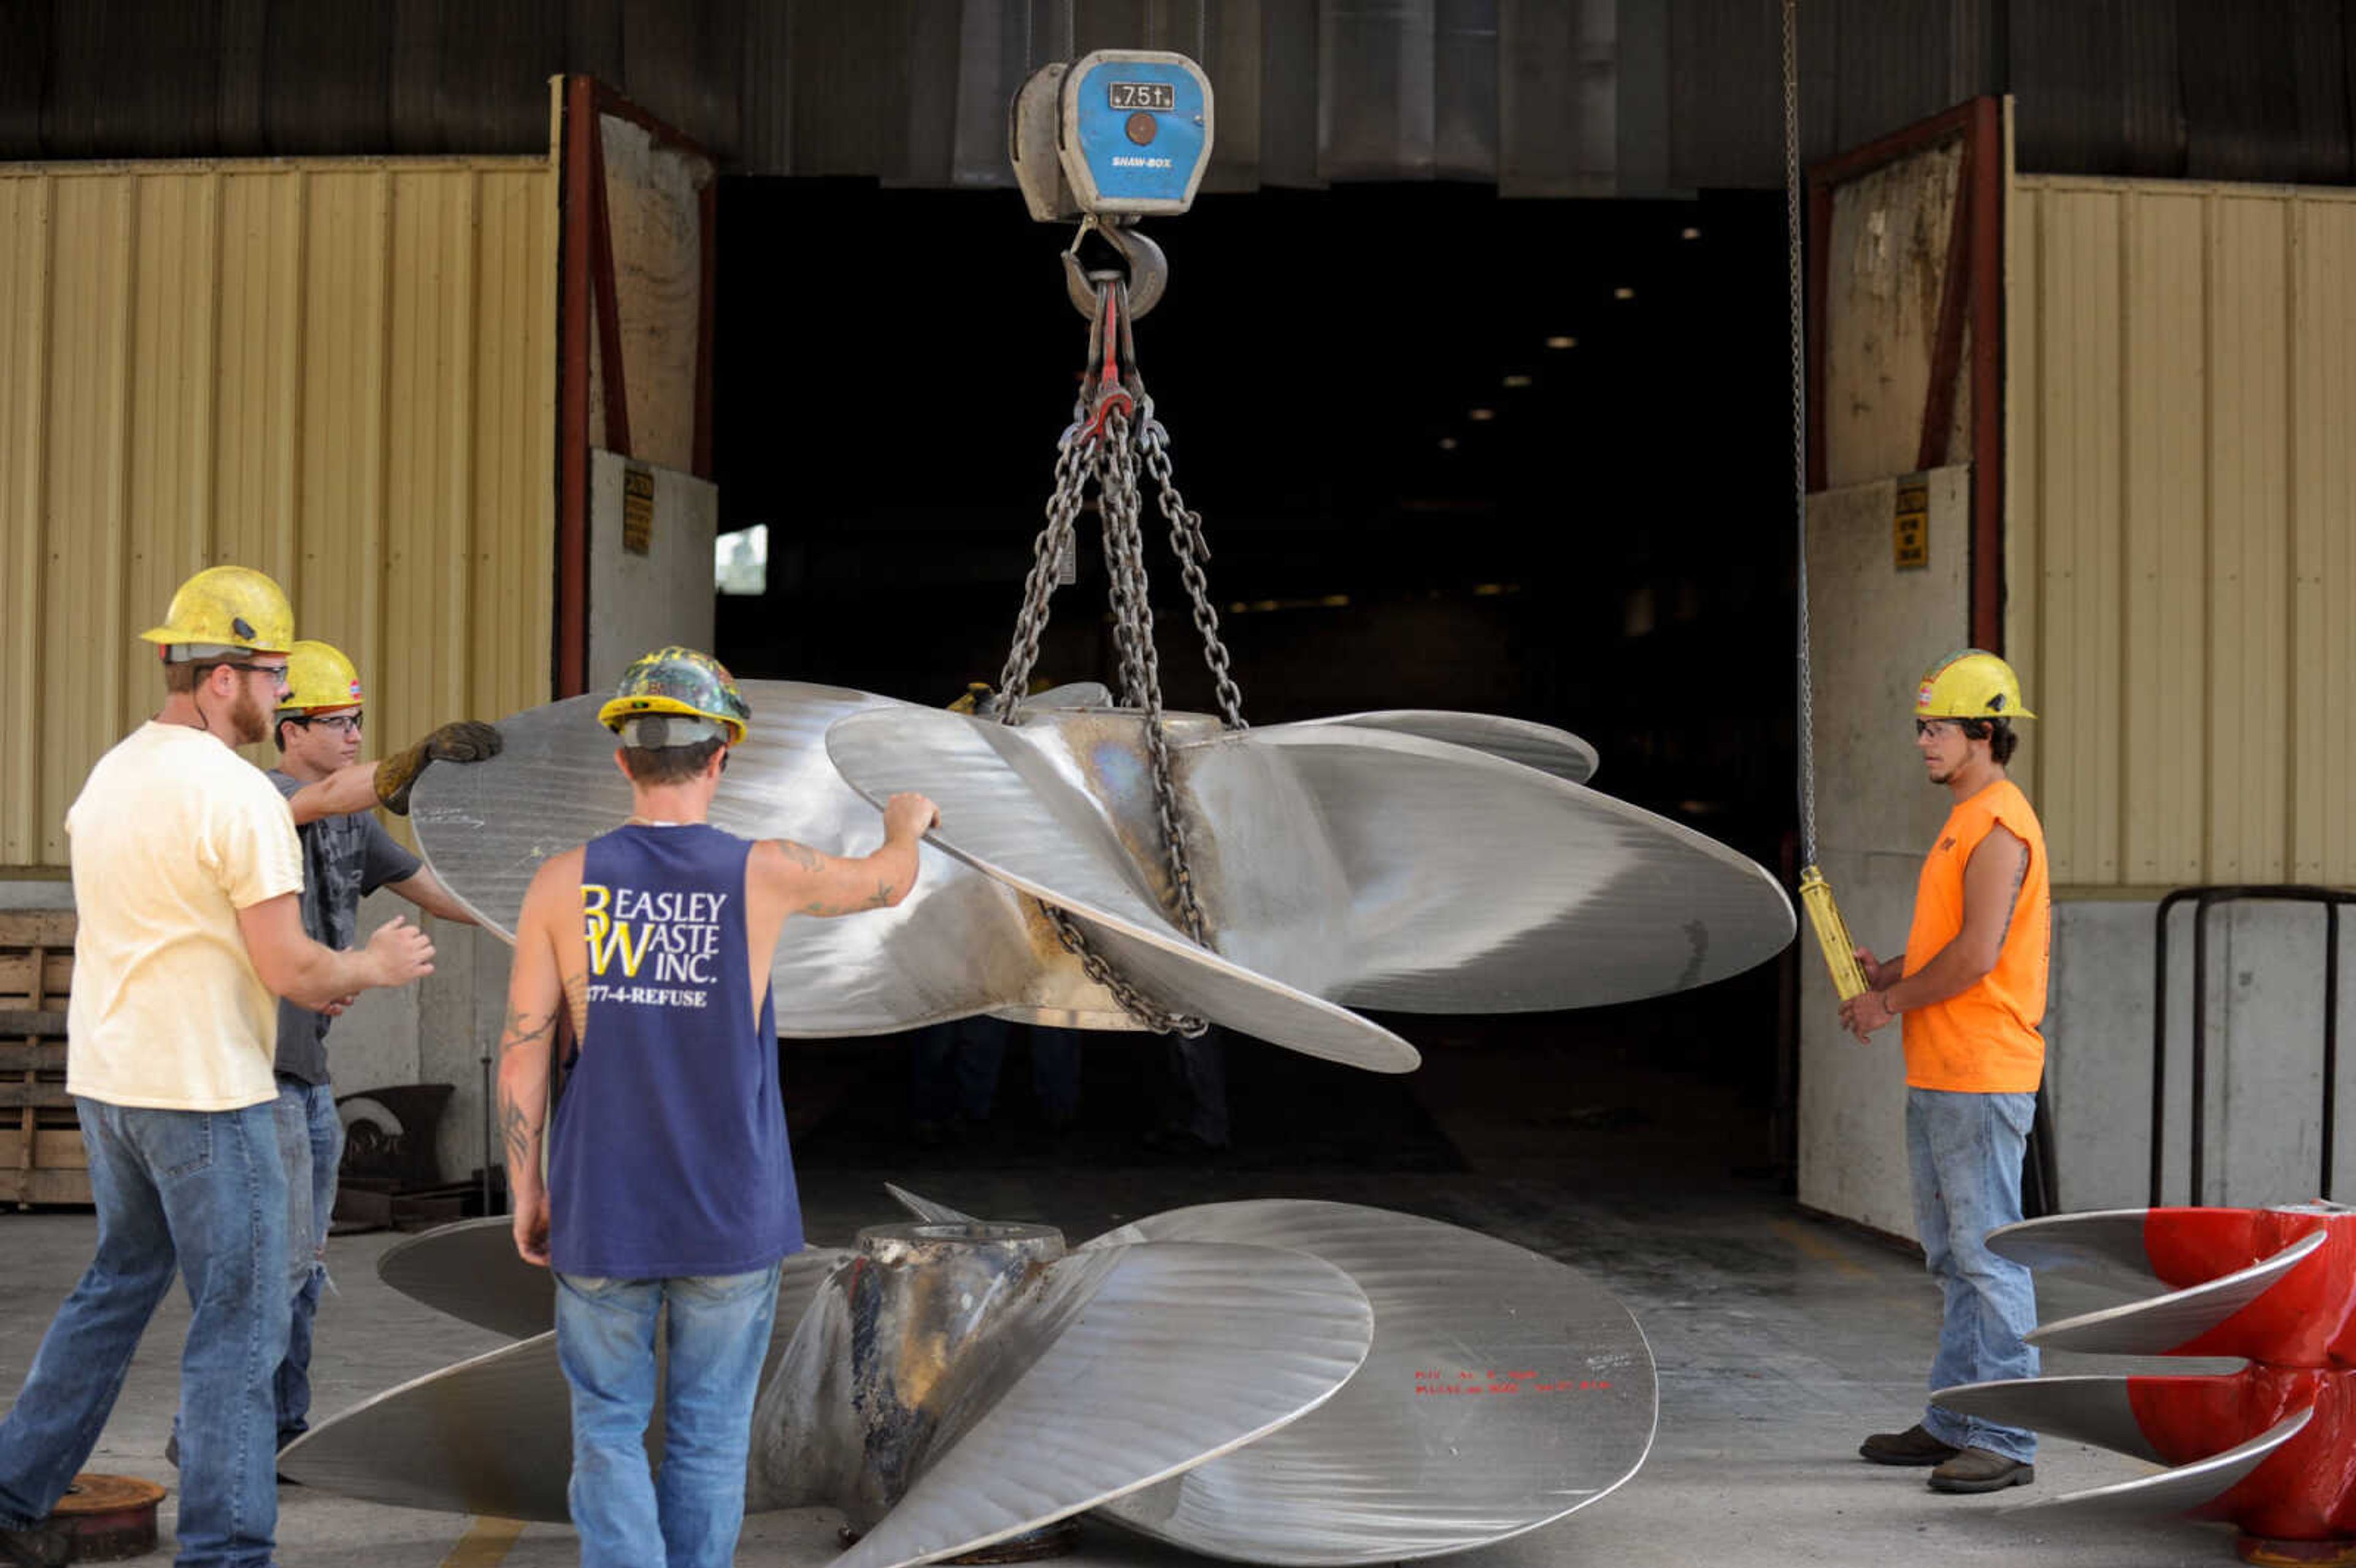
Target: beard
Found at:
248, 722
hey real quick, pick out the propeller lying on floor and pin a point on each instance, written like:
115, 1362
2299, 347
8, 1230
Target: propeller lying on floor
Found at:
1416, 861
1277, 1381
2271, 1448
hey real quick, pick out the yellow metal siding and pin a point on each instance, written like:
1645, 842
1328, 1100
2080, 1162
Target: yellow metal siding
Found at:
2165, 474
2180, 550
2323, 525
343, 373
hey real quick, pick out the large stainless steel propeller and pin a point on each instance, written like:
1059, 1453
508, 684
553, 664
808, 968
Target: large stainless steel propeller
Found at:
2272, 1447
1416, 861
1275, 1382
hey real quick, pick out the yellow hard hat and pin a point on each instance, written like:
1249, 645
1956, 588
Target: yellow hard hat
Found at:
1970, 684
318, 676
226, 607
681, 682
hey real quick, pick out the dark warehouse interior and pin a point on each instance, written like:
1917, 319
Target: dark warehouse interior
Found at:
1522, 457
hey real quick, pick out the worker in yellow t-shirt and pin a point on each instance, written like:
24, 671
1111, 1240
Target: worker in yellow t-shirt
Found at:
1970, 991
186, 876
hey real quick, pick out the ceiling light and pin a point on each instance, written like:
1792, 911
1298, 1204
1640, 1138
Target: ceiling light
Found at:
1562, 342
1518, 380
1479, 416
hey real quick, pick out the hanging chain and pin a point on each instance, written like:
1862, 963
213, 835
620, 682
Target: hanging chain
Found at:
1104, 446
1141, 667
1155, 1020
1799, 419
1053, 545
1191, 548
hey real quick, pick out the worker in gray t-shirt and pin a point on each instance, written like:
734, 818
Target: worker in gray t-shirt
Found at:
345, 857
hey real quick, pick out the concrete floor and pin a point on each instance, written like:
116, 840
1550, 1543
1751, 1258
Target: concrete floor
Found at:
1781, 1340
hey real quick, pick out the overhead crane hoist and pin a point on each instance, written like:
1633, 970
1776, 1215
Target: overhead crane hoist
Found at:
1114, 136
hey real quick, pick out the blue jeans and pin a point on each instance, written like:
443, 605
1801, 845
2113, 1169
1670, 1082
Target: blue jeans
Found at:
1965, 1151
717, 1335
311, 1143
200, 1192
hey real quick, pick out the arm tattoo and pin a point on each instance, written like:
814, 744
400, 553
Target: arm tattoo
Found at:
576, 1000
519, 1126
801, 854
518, 1131
523, 1027
825, 909
2012, 903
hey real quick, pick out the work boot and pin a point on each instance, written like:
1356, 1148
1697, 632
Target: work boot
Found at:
43, 1546
1981, 1470
1915, 1445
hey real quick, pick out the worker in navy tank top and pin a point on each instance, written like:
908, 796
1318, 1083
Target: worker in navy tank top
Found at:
668, 1182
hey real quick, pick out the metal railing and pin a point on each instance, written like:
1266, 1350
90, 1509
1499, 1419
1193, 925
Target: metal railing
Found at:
2205, 899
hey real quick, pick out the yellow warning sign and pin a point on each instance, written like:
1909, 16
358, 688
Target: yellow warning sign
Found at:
638, 510
1910, 528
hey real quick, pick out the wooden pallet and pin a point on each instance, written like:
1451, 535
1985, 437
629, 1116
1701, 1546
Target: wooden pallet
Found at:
41, 1158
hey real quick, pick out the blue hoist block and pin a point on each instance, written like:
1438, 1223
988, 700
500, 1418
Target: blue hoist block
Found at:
1117, 134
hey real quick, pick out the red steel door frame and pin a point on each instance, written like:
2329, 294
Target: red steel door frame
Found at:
1972, 289
588, 300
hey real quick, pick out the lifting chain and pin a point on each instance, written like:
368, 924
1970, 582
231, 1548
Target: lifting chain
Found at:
1796, 283
1113, 435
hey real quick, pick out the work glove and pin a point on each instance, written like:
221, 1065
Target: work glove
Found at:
464, 741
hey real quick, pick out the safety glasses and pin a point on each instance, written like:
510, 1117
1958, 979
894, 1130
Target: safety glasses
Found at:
276, 672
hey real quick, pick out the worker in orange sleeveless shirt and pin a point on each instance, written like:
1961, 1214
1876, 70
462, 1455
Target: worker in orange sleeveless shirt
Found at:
1970, 993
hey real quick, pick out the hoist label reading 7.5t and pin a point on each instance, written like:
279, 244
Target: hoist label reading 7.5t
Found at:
1142, 95
1136, 131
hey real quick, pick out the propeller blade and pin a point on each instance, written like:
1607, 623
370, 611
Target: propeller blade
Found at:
959, 944
1167, 1355
2106, 1246
1072, 694
2097, 1409
1540, 746
1523, 1381
2186, 1486
1396, 871
1062, 808
471, 1271
925, 1208
489, 1435
2163, 1324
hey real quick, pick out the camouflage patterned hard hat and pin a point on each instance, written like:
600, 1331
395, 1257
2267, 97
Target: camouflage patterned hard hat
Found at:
680, 683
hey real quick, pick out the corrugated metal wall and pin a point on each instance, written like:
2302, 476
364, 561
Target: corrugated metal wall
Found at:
1546, 97
2181, 556
343, 373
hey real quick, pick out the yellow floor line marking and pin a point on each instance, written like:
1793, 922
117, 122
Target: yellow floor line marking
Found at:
485, 1543
1816, 1247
